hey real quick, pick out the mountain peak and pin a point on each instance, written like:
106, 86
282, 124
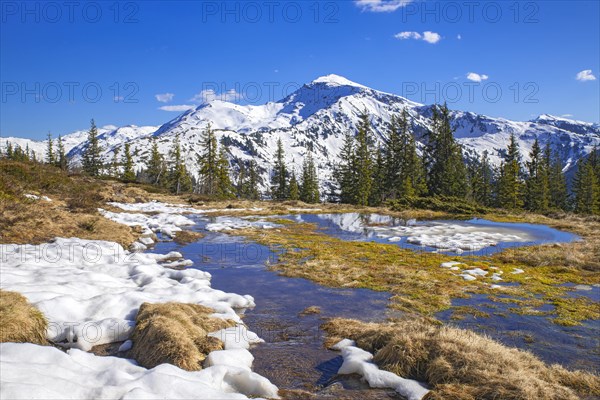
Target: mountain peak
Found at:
337, 80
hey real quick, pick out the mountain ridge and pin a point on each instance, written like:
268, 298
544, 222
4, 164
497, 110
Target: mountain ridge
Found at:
316, 116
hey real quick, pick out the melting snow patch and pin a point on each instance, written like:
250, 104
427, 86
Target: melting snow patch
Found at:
517, 271
90, 291
232, 223
31, 371
450, 264
165, 223
36, 197
358, 361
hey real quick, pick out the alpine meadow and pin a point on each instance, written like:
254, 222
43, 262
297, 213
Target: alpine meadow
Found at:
361, 199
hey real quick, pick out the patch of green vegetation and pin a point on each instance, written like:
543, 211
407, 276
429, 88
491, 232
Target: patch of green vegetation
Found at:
415, 279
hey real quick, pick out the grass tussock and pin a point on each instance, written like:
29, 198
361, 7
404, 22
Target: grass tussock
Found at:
175, 333
462, 365
187, 237
20, 321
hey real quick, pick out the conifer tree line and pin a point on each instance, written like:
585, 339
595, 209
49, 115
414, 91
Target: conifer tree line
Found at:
286, 185
366, 175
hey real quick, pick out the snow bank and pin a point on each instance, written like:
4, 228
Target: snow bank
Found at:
358, 361
30, 371
156, 207
231, 223
36, 197
90, 291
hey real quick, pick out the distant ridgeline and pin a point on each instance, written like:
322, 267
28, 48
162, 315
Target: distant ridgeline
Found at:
336, 140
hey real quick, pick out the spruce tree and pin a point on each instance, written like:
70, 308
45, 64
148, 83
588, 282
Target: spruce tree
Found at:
241, 187
393, 159
50, 156
208, 163
510, 185
223, 186
482, 188
447, 175
536, 184
279, 185
252, 191
294, 189
92, 162
412, 180
309, 188
585, 188
115, 163
363, 162
128, 171
155, 168
345, 172
557, 184
9, 150
61, 161
379, 191
179, 179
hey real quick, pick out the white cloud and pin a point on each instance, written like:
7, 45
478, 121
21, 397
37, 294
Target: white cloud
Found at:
208, 95
381, 5
431, 37
427, 36
566, 115
459, 36
585, 75
164, 97
178, 108
475, 77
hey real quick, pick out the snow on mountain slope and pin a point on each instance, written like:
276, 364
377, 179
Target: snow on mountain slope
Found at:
39, 147
315, 118
110, 140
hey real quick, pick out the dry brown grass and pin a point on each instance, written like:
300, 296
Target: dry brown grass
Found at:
187, 237
310, 311
462, 365
20, 322
175, 333
583, 255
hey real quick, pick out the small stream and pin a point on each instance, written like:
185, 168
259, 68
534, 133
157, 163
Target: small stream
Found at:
293, 356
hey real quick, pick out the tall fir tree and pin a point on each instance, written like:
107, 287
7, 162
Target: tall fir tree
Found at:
50, 155
208, 163
252, 191
294, 188
128, 171
61, 161
363, 162
155, 167
224, 187
510, 184
557, 183
92, 163
536, 184
482, 183
279, 179
393, 159
586, 188
379, 190
447, 174
241, 187
412, 180
345, 171
309, 188
179, 179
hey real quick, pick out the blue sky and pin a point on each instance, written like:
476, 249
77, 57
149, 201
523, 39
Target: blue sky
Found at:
61, 65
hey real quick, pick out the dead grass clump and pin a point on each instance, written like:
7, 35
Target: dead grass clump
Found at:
21, 322
187, 237
310, 311
461, 364
175, 333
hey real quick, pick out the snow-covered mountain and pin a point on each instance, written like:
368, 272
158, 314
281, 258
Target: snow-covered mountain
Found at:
316, 116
